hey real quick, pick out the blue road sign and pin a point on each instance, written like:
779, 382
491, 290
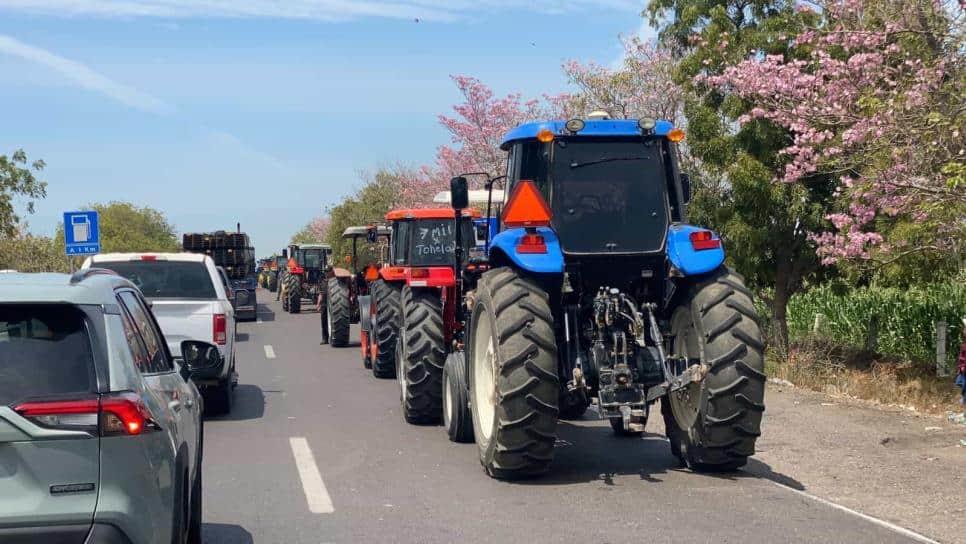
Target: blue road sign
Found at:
81, 233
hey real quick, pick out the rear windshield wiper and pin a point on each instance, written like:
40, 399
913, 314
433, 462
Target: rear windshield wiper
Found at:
607, 159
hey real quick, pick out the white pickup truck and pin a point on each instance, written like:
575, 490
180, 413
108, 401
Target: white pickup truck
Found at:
189, 300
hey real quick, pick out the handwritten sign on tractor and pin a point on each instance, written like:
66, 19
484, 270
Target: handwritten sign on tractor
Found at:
434, 243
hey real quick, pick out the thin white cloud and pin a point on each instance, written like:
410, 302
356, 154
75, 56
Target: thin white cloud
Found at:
317, 10
84, 76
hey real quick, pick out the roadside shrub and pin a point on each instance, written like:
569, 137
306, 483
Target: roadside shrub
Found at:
905, 318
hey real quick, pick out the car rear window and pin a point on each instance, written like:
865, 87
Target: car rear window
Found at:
166, 279
45, 351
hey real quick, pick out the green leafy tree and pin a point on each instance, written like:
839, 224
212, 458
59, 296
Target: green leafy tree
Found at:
766, 224
29, 253
18, 179
125, 227
368, 205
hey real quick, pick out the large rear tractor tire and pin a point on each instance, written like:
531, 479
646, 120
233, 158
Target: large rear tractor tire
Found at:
713, 424
293, 294
338, 309
385, 326
423, 351
514, 385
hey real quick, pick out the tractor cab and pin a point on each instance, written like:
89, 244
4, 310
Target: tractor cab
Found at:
422, 252
364, 261
314, 259
594, 191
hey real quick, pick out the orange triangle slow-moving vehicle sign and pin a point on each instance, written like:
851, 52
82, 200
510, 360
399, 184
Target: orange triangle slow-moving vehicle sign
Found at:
526, 207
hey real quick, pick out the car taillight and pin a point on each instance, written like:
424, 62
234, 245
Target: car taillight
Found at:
80, 414
111, 415
220, 328
124, 414
704, 239
531, 242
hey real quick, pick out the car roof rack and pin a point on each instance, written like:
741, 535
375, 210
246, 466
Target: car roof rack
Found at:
85, 273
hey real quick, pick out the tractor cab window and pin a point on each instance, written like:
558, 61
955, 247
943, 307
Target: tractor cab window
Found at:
400, 242
609, 195
312, 258
530, 161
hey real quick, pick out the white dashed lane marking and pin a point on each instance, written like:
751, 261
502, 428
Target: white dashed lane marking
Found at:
269, 352
315, 493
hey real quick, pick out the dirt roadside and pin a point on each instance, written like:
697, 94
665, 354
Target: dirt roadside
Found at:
900, 466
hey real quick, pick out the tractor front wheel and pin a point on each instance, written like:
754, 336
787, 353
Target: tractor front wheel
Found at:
514, 386
456, 402
423, 351
338, 313
712, 425
385, 324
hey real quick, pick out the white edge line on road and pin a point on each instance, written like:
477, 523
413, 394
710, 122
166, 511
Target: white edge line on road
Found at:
880, 522
315, 493
269, 352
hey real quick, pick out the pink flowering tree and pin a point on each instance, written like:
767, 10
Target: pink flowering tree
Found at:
642, 86
875, 99
476, 126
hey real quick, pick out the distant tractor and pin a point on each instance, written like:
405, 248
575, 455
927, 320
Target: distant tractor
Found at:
414, 306
305, 274
278, 264
347, 285
599, 289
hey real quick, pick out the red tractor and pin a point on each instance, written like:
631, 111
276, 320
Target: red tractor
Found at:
413, 306
347, 289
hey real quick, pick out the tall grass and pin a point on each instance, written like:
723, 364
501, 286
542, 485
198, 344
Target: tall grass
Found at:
905, 318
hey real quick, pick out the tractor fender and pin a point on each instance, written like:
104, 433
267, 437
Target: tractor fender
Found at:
505, 244
685, 258
341, 273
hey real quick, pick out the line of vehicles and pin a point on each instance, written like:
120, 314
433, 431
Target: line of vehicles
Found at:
584, 286
104, 377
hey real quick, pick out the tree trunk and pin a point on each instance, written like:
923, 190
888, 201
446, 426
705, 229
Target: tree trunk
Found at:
779, 307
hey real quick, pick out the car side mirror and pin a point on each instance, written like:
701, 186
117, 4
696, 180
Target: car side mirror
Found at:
198, 355
686, 188
459, 193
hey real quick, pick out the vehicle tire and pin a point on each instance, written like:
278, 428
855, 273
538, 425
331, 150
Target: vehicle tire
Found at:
456, 399
219, 399
338, 308
196, 510
293, 294
385, 323
294, 300
713, 424
514, 387
273, 283
423, 354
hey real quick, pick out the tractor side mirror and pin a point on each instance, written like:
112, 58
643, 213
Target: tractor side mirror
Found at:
371, 235
285, 254
459, 193
686, 187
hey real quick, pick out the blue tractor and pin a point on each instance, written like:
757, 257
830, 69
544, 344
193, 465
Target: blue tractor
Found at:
596, 290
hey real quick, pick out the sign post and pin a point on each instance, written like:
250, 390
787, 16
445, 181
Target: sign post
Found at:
81, 233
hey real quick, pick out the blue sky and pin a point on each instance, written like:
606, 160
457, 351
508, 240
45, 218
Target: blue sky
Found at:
263, 111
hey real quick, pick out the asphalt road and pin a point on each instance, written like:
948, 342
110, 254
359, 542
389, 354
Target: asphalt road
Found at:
316, 451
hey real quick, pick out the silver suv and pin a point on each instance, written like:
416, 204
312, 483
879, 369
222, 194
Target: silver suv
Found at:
100, 428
